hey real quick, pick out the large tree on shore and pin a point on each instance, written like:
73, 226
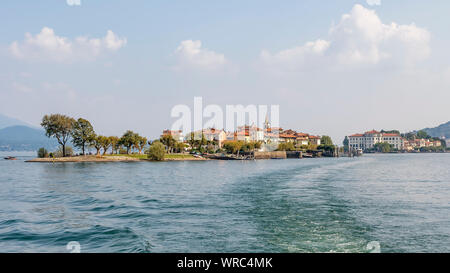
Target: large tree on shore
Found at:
82, 134
142, 141
128, 140
60, 127
114, 144
169, 142
105, 143
97, 144
326, 140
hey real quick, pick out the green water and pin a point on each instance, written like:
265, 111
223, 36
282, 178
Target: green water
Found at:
311, 205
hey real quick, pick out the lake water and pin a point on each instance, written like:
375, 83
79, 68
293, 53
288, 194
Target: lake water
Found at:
401, 201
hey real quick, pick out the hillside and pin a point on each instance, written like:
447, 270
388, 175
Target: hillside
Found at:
6, 121
23, 138
439, 131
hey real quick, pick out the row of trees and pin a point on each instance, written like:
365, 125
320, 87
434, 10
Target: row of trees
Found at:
237, 146
82, 134
326, 143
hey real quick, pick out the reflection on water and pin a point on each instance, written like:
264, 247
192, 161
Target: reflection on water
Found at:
309, 205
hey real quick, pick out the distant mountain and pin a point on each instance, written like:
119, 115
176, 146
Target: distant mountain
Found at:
24, 138
440, 131
6, 121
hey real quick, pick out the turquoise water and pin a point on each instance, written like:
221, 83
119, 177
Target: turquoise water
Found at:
311, 205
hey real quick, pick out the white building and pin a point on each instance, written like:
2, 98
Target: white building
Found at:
369, 139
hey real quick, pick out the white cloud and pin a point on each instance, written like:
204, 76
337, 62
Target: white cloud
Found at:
360, 38
373, 2
191, 54
73, 2
47, 46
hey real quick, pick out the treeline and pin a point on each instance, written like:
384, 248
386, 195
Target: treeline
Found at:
83, 136
326, 144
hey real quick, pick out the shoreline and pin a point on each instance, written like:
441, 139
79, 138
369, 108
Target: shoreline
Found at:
106, 158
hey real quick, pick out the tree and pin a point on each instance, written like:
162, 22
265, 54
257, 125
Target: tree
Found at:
326, 140
82, 134
180, 146
142, 141
114, 144
191, 140
128, 140
97, 143
42, 152
233, 146
157, 151
383, 147
60, 127
169, 142
422, 134
345, 143
105, 142
286, 146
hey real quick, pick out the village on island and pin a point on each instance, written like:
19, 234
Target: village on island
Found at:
79, 142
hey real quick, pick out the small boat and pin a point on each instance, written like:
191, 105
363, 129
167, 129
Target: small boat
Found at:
10, 158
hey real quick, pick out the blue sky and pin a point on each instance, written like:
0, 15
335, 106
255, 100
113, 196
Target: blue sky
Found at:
330, 74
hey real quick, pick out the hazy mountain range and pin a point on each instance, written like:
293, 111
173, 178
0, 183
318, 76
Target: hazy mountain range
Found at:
439, 131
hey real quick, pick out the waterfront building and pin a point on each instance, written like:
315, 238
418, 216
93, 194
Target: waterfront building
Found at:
368, 140
314, 140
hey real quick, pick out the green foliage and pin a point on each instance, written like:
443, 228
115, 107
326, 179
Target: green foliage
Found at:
383, 147
141, 143
233, 147
60, 127
128, 139
286, 146
105, 143
390, 132
422, 134
42, 153
114, 144
96, 143
157, 151
326, 140
82, 134
169, 142
345, 143
327, 148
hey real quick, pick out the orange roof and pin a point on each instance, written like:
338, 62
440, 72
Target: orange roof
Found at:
356, 135
287, 136
315, 137
391, 135
372, 132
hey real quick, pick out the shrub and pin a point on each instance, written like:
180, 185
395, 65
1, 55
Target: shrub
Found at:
157, 151
42, 153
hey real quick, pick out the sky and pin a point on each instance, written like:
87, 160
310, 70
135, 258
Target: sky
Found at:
333, 67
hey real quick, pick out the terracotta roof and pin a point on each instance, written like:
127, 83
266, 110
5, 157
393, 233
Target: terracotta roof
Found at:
391, 135
356, 135
372, 132
287, 136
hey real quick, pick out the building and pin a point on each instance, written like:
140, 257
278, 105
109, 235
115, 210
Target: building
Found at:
314, 140
177, 135
368, 140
